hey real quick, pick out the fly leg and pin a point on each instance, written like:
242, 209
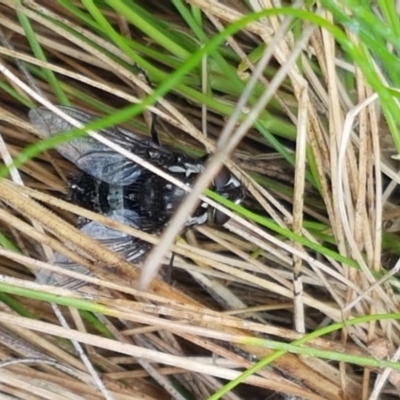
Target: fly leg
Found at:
150, 118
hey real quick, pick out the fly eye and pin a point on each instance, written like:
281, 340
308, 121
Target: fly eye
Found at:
226, 185
221, 179
220, 218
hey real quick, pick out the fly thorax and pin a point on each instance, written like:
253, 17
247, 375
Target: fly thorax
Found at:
172, 196
146, 197
186, 172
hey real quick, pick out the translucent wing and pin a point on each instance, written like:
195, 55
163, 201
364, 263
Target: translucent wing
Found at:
88, 154
131, 248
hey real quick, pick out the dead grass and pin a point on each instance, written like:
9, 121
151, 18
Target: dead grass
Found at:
312, 225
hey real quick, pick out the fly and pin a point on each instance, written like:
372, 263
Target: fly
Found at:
125, 191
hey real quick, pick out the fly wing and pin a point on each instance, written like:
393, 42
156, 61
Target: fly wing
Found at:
88, 154
130, 248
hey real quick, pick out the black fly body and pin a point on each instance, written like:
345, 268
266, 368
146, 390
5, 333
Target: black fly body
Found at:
117, 187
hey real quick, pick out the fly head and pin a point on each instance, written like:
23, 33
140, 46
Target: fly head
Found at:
228, 186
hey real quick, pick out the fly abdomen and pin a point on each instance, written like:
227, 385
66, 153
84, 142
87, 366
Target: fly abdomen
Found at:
90, 193
115, 197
